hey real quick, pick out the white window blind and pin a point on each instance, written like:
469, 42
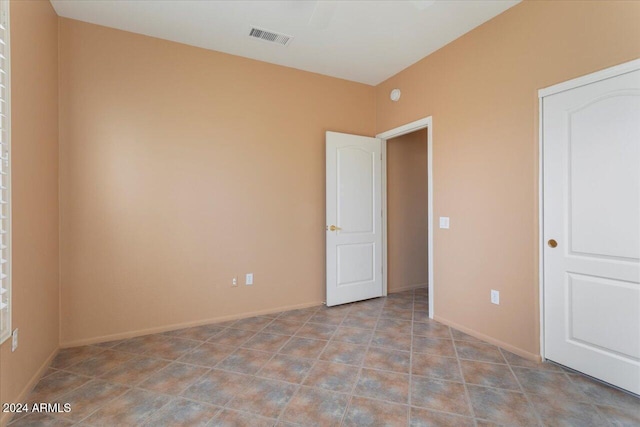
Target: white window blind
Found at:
5, 176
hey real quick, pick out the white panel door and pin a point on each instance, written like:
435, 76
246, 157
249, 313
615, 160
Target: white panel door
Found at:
354, 214
591, 146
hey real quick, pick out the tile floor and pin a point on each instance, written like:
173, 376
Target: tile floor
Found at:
380, 362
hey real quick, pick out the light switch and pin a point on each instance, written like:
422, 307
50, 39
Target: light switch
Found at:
444, 222
495, 297
249, 279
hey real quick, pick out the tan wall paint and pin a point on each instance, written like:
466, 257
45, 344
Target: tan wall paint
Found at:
407, 211
482, 93
181, 168
34, 129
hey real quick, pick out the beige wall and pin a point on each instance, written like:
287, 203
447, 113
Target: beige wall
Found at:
407, 211
34, 128
482, 93
182, 168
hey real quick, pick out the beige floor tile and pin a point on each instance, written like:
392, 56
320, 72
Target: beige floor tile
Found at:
376, 362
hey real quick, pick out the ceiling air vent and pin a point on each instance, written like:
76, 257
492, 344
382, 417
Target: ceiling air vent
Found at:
270, 36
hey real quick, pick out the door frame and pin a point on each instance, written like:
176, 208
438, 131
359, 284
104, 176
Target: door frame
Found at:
604, 74
424, 123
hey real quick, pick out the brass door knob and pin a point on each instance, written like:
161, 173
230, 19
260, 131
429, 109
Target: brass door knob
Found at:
552, 243
334, 228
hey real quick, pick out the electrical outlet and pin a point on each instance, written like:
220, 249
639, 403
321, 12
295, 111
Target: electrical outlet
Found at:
14, 340
249, 279
234, 281
495, 297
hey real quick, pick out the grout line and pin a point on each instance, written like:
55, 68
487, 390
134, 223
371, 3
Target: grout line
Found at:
336, 392
464, 382
253, 376
276, 353
366, 351
526, 396
368, 346
102, 405
147, 353
591, 399
240, 411
388, 303
476, 385
206, 371
410, 395
603, 416
315, 362
154, 412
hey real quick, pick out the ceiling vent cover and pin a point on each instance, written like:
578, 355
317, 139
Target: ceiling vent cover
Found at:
270, 36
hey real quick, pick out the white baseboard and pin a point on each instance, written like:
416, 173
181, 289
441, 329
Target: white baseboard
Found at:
522, 353
166, 328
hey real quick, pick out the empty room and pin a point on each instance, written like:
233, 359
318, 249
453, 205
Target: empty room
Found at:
319, 213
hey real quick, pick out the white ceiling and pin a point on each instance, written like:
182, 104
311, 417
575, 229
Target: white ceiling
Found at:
363, 41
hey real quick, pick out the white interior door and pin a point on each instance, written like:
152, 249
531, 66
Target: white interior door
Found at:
354, 218
591, 146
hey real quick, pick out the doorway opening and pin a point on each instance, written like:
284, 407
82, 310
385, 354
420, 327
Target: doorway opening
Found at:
407, 182
407, 267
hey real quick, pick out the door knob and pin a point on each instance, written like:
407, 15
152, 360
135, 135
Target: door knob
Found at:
552, 243
334, 228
